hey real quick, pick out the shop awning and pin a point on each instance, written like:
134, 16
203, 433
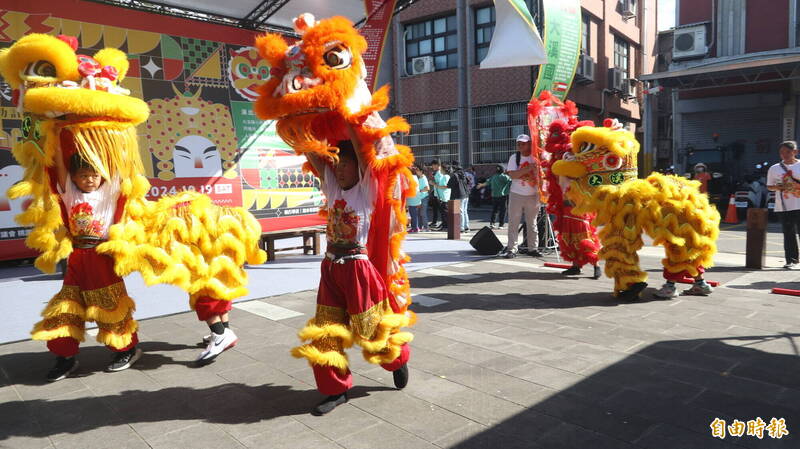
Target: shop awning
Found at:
253, 14
754, 70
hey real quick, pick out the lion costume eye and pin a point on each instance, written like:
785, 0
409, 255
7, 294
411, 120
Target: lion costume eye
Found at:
338, 58
41, 68
587, 146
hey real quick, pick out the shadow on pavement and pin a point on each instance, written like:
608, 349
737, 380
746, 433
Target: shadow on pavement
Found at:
230, 403
665, 396
30, 368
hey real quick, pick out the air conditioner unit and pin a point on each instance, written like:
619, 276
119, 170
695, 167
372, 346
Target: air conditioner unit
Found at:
584, 74
629, 88
628, 8
689, 42
615, 78
423, 64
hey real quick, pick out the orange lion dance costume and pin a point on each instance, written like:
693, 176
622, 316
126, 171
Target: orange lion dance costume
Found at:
577, 238
317, 93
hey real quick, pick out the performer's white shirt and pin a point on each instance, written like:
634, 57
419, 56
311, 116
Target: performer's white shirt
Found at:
349, 211
90, 213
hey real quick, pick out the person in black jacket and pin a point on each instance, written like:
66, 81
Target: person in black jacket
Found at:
459, 190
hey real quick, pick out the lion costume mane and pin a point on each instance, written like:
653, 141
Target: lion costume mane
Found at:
76, 101
670, 209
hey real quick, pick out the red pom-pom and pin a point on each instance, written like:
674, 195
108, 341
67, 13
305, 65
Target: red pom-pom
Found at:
72, 41
608, 123
109, 72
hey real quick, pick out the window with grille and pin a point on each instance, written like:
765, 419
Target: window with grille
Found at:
495, 129
434, 135
484, 28
622, 51
437, 38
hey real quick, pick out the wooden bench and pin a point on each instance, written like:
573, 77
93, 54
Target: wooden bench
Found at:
310, 237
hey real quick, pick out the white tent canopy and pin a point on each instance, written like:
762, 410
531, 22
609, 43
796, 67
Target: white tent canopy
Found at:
255, 14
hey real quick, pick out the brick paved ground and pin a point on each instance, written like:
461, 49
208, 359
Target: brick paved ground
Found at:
506, 355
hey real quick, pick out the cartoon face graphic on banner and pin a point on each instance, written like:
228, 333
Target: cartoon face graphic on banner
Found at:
191, 137
247, 71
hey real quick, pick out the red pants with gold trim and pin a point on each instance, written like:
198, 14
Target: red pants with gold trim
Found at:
352, 307
91, 292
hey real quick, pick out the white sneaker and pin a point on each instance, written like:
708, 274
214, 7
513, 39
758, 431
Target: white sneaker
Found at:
217, 345
791, 266
667, 290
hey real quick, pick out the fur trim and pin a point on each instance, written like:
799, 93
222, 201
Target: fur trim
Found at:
115, 340
320, 358
314, 332
42, 334
125, 306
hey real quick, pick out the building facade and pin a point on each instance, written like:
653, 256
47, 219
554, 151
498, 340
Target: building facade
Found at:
458, 111
731, 79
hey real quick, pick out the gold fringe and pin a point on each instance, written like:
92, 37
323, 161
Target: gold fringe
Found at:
118, 340
314, 332
60, 326
314, 356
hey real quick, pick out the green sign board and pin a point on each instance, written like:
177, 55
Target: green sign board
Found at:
251, 132
562, 42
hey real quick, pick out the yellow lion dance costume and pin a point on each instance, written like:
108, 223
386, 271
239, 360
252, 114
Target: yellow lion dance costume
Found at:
670, 209
317, 93
74, 103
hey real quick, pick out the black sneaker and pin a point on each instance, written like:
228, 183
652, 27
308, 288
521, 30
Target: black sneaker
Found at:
535, 253
124, 360
328, 404
401, 377
571, 271
64, 367
632, 293
597, 272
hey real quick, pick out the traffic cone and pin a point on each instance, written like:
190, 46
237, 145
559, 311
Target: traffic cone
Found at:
732, 217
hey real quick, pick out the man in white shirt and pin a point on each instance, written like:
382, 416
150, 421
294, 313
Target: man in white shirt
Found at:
524, 197
784, 179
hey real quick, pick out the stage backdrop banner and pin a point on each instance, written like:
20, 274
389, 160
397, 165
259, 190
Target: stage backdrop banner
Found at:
200, 81
562, 39
379, 17
515, 41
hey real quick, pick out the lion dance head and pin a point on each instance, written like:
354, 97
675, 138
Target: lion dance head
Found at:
600, 156
74, 101
315, 83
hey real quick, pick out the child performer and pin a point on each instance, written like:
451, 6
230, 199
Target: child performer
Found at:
92, 291
352, 300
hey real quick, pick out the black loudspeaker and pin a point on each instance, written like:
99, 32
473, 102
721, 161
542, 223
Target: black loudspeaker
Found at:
485, 242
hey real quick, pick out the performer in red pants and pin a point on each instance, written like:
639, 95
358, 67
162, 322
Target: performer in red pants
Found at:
353, 304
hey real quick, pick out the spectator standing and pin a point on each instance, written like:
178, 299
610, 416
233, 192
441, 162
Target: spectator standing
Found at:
434, 194
499, 184
701, 174
459, 190
784, 179
442, 192
523, 198
418, 205
469, 176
